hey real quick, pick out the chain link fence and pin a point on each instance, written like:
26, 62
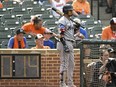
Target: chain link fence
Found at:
90, 62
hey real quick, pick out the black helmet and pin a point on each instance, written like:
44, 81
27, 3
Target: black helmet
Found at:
66, 8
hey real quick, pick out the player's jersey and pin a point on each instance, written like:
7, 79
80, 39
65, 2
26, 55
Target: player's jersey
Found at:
68, 26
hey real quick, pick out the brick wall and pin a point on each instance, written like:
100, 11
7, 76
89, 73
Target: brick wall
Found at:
50, 72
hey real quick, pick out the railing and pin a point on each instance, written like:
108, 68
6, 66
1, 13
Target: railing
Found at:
97, 9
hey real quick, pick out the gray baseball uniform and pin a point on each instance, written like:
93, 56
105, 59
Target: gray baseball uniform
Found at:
67, 59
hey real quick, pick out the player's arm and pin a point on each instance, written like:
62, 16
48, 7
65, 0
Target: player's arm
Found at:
103, 67
61, 30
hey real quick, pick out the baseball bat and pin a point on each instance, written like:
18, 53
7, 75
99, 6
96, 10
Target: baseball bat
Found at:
60, 13
57, 11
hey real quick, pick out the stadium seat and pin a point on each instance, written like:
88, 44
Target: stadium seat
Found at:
9, 31
10, 4
4, 44
50, 23
46, 3
30, 44
53, 29
95, 32
86, 17
1, 24
25, 18
12, 23
3, 11
46, 7
19, 11
30, 4
38, 11
4, 35
92, 23
89, 22
7, 17
28, 36
47, 17
3, 29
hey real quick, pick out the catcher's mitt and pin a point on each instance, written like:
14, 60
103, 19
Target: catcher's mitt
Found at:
107, 77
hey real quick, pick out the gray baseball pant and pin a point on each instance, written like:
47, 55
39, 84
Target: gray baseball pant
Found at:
66, 61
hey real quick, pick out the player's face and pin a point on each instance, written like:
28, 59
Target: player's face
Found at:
38, 25
105, 55
70, 12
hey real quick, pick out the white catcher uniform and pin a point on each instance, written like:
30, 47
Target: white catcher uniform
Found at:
67, 59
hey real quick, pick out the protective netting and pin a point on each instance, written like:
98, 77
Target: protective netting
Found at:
90, 55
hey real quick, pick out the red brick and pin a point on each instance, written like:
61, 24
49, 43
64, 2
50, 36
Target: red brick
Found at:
4, 83
50, 73
22, 84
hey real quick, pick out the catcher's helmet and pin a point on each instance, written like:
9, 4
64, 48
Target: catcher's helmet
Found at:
66, 8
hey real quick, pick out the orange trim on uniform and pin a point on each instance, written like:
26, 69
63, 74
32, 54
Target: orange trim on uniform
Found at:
16, 43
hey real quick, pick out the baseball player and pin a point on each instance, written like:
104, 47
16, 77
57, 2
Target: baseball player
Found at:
65, 47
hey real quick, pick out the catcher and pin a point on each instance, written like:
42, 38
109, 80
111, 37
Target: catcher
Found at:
96, 82
109, 74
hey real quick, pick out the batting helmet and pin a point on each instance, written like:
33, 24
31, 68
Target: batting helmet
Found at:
66, 8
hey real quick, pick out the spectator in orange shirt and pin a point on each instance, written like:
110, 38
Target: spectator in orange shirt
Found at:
81, 7
109, 32
1, 6
34, 27
39, 42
